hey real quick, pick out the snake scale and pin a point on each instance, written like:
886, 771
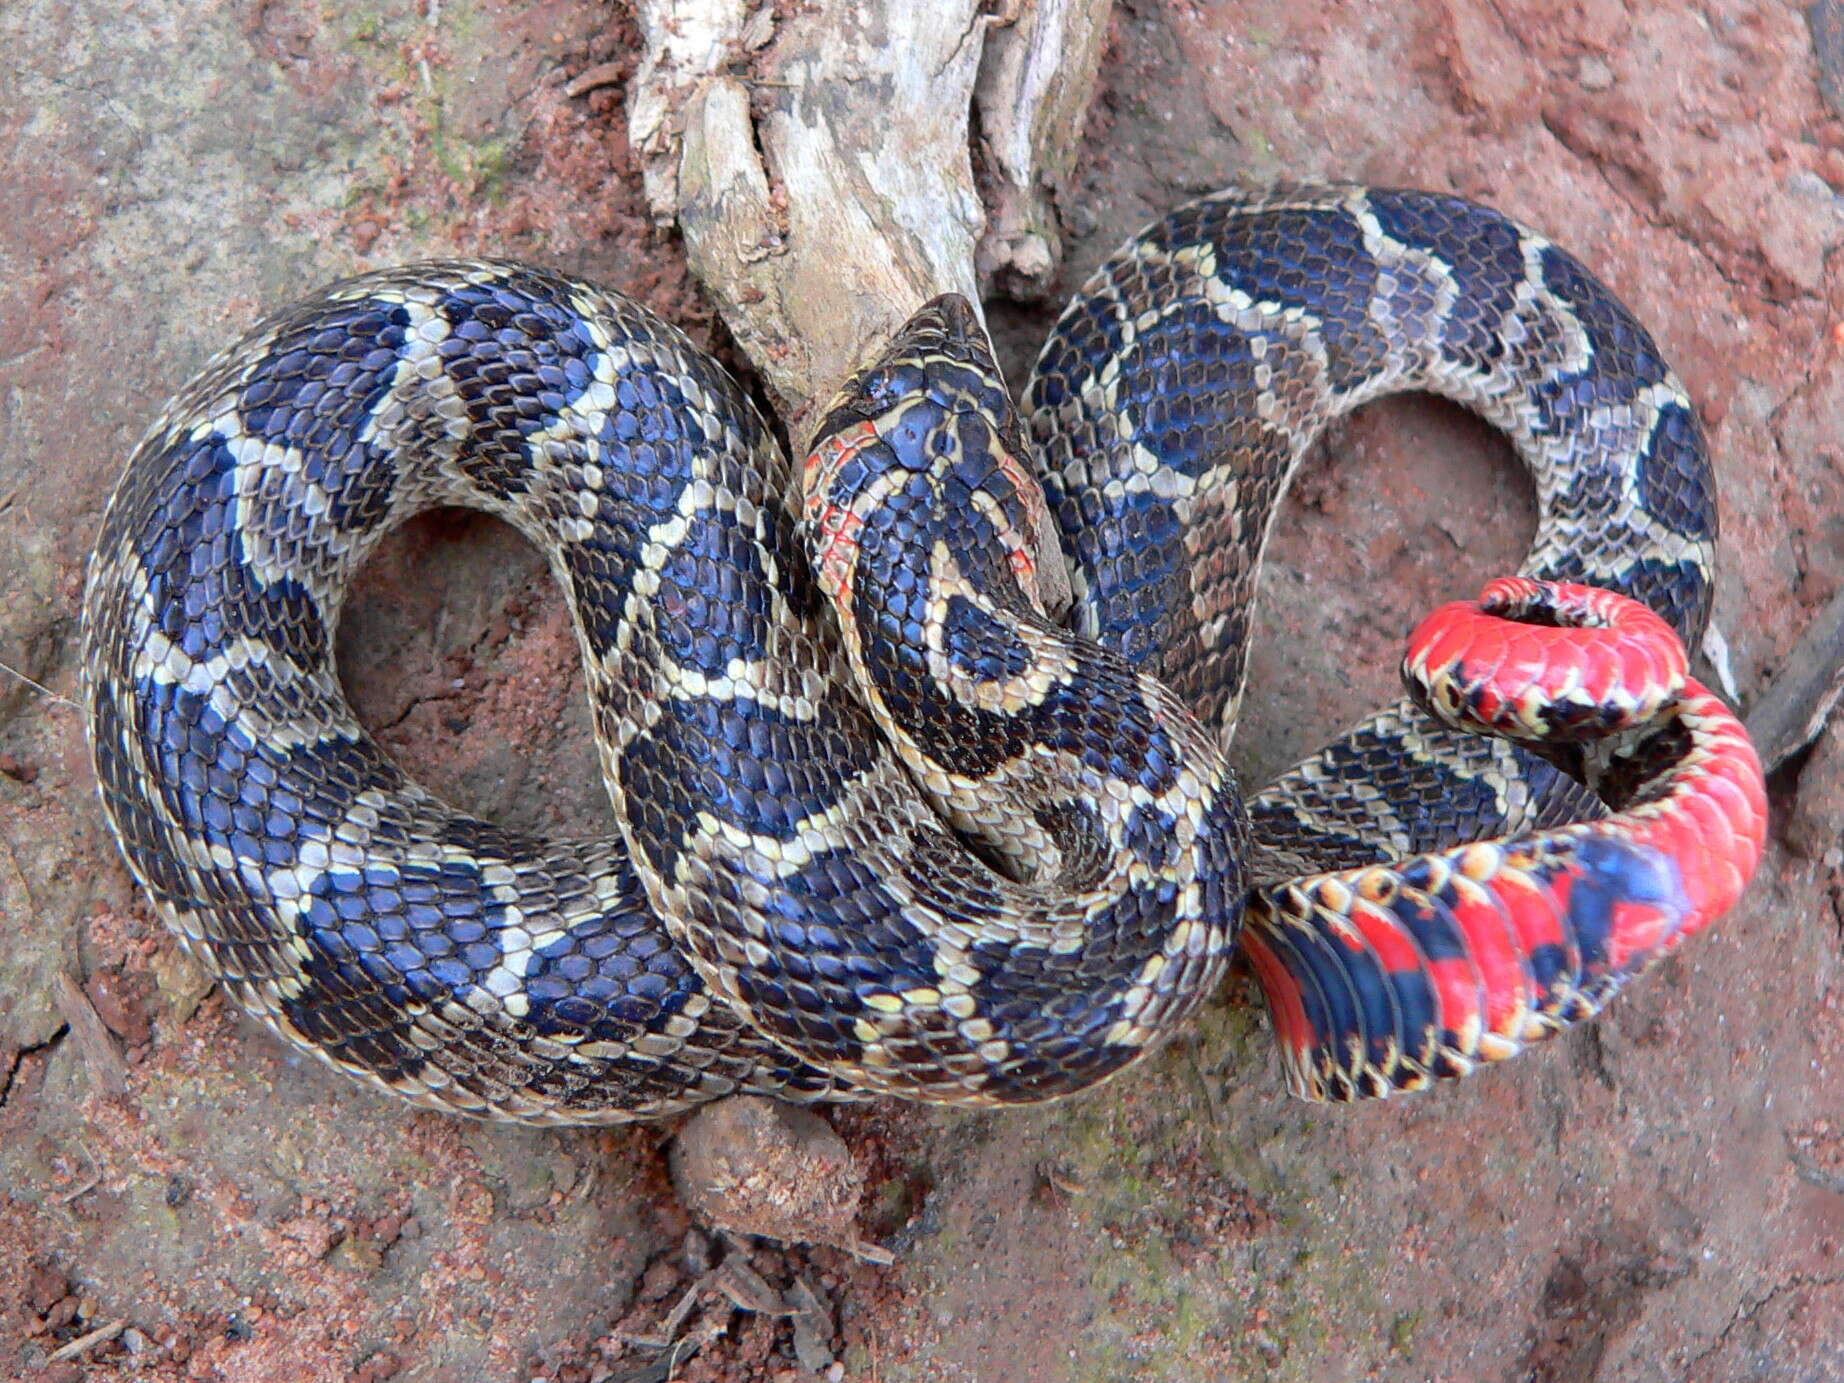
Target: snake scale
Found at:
907, 803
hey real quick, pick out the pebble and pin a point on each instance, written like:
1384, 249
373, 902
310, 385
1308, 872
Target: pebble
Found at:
754, 1166
1594, 74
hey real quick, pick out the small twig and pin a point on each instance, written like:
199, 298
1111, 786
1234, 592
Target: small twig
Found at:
39, 687
747, 1290
84, 1188
676, 1318
659, 1371
1826, 18
18, 879
77, 1192
602, 74
108, 1072
867, 1252
667, 1334
1206, 1092
99, 1336
1791, 713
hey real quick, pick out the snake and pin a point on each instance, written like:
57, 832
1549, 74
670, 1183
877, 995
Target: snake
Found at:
917, 750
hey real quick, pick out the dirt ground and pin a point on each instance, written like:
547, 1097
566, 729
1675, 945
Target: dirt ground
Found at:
1657, 1197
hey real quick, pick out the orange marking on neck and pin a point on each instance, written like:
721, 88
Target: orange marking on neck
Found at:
834, 528
1030, 492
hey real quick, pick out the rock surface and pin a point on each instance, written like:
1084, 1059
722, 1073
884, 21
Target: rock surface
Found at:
1655, 1197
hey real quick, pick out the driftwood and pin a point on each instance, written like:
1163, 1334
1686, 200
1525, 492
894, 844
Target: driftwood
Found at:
822, 169
1036, 81
1791, 713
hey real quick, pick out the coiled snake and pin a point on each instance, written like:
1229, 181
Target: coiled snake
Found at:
904, 804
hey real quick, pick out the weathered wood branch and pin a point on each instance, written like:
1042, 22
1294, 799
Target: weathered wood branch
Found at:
1792, 712
1036, 82
821, 170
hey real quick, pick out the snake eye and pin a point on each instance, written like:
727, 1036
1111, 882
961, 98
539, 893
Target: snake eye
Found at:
889, 384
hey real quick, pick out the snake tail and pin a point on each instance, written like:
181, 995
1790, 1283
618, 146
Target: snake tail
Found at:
1387, 979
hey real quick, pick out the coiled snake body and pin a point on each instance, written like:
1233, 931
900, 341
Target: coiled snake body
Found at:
963, 833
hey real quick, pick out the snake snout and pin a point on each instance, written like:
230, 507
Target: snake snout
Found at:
941, 355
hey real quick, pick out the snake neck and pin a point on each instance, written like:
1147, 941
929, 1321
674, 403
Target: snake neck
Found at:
923, 517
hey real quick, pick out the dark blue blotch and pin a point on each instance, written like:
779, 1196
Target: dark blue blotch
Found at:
1623, 360
1130, 546
744, 763
906, 441
1413, 995
1186, 381
318, 391
1479, 247
1393, 1006
385, 944
1622, 348
1035, 996
203, 593
711, 607
1437, 806
1327, 976
1086, 337
1434, 931
1315, 260
1096, 715
1614, 872
197, 762
1149, 835
612, 976
837, 924
1551, 973
519, 356
979, 646
420, 933
836, 936
1674, 475
259, 801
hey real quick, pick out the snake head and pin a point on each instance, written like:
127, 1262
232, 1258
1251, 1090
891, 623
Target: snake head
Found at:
929, 428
